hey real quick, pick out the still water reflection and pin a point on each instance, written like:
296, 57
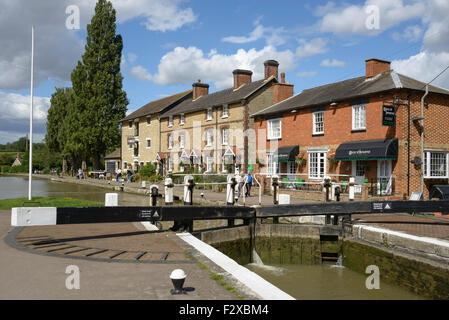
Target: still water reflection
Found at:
16, 187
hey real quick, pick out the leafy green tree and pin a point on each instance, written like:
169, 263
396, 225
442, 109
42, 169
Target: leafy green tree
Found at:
100, 100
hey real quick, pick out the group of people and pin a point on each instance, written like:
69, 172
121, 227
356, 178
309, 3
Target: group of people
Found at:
127, 172
241, 182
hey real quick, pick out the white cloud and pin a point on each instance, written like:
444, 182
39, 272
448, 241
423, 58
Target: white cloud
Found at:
272, 36
57, 49
312, 47
306, 73
185, 65
410, 34
132, 57
332, 63
15, 115
424, 67
352, 19
436, 37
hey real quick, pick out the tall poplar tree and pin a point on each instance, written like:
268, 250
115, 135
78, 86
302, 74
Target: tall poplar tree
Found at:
97, 82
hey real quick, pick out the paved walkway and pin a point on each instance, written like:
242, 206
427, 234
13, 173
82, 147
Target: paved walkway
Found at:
432, 227
26, 275
209, 197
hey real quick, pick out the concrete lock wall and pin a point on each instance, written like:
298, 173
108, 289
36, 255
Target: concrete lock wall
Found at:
410, 268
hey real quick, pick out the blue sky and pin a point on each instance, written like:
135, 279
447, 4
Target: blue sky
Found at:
170, 44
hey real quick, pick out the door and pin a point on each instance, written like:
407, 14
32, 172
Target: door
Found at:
358, 172
384, 177
291, 171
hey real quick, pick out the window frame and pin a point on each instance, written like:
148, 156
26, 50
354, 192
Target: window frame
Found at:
170, 121
223, 135
427, 164
209, 136
170, 141
182, 119
315, 122
148, 147
225, 114
358, 125
182, 140
270, 129
148, 120
320, 155
209, 114
273, 167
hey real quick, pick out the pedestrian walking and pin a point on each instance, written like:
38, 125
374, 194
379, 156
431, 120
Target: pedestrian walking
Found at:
249, 182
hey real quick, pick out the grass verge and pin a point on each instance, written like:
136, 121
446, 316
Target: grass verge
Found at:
7, 204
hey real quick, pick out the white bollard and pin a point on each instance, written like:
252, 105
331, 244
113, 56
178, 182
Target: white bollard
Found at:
186, 189
351, 188
144, 184
284, 198
229, 190
168, 191
111, 200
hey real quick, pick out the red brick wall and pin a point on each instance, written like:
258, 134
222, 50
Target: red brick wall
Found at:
297, 129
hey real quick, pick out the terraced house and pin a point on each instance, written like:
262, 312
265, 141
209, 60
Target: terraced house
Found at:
209, 131
381, 128
140, 131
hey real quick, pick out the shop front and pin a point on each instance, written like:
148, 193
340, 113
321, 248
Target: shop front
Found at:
372, 162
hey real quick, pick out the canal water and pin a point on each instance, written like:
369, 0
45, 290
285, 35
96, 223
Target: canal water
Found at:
17, 187
323, 282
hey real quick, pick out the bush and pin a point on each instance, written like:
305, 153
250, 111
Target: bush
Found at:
156, 178
147, 170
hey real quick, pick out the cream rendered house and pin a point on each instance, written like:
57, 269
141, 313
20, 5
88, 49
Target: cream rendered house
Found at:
140, 131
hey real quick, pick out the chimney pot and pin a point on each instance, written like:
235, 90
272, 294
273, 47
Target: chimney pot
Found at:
282, 77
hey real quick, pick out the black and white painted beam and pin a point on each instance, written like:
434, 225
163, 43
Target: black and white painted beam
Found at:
69, 215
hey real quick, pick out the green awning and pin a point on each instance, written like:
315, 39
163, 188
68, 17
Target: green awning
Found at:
286, 154
384, 149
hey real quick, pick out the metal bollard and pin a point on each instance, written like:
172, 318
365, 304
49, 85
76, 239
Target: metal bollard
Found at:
275, 189
230, 189
154, 194
337, 193
327, 184
168, 191
351, 188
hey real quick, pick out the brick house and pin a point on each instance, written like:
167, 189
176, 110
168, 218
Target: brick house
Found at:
367, 127
209, 131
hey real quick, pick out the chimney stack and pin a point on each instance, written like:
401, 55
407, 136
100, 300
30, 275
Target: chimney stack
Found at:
241, 77
376, 66
271, 68
200, 89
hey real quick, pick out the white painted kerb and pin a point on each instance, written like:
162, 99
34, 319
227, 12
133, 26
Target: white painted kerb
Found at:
260, 286
22, 217
428, 240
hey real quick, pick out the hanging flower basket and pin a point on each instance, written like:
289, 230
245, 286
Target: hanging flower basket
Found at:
300, 159
260, 163
331, 158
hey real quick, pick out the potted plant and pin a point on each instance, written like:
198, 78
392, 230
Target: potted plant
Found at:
260, 163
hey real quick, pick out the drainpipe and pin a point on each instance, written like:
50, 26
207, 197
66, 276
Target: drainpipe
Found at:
422, 139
